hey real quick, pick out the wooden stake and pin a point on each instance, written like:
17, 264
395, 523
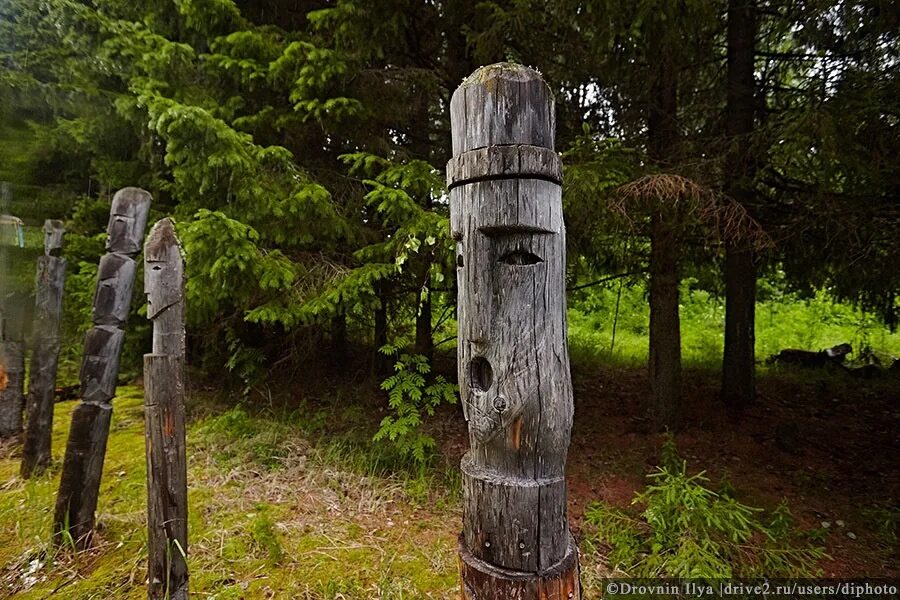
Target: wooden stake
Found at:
79, 486
506, 216
51, 275
164, 416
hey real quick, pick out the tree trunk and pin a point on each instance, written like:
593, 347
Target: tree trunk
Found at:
739, 356
665, 250
506, 215
379, 361
665, 325
339, 335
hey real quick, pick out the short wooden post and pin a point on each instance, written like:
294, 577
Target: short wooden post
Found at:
51, 275
79, 485
164, 416
506, 217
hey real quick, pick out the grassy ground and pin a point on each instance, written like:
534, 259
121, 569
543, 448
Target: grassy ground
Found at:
783, 320
276, 511
290, 498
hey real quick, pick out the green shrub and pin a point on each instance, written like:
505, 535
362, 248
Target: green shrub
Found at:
411, 398
687, 530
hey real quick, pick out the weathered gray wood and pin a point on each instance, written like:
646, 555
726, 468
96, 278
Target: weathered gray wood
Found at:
54, 230
128, 220
506, 216
51, 273
100, 364
498, 162
166, 476
12, 399
76, 501
79, 486
164, 416
112, 298
164, 286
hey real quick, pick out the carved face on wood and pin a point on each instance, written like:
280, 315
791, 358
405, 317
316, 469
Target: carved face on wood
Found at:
127, 220
163, 269
510, 268
112, 298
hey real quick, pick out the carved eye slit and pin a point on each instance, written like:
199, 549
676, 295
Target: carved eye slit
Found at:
521, 257
459, 260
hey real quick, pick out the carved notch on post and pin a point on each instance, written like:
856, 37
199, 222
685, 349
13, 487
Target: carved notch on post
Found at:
506, 216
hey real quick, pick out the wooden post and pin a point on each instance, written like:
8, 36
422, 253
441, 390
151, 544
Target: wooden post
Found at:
79, 485
506, 217
164, 416
12, 346
51, 275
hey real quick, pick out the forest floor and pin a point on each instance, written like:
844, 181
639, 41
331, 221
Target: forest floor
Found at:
289, 498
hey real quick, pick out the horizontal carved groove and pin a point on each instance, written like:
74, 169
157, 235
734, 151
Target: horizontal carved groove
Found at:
568, 563
499, 230
504, 162
501, 176
495, 478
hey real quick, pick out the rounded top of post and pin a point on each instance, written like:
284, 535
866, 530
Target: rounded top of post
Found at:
502, 104
161, 241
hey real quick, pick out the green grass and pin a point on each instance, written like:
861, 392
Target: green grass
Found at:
275, 506
782, 321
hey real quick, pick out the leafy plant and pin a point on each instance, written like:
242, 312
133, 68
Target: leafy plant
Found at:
688, 530
410, 398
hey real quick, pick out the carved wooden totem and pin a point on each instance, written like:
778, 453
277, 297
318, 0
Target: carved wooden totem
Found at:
506, 217
79, 484
167, 512
51, 275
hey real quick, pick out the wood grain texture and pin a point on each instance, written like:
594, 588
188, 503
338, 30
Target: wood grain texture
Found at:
76, 501
483, 581
167, 511
128, 220
50, 283
164, 287
502, 104
164, 395
79, 486
506, 215
500, 162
